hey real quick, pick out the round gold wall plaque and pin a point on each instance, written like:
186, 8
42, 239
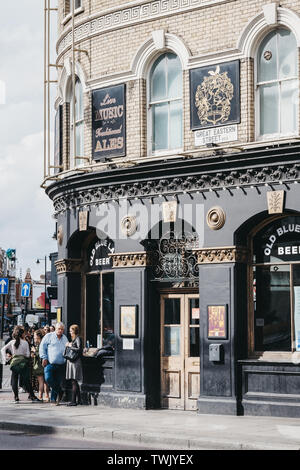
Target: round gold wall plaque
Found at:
215, 218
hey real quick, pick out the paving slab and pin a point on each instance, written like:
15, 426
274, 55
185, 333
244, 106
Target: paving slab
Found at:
168, 429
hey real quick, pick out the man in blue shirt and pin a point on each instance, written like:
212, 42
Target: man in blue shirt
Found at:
51, 352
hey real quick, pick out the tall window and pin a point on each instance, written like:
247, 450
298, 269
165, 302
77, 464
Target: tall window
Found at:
276, 287
165, 103
277, 84
79, 125
69, 5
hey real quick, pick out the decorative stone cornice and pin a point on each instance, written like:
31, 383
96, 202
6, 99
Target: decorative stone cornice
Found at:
68, 266
230, 254
131, 260
127, 15
242, 178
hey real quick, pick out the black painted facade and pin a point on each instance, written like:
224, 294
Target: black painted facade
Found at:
236, 182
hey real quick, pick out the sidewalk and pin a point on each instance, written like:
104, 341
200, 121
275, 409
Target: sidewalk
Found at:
158, 429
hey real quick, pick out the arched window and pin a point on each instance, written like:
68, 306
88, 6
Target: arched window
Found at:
79, 125
275, 296
69, 5
277, 84
165, 103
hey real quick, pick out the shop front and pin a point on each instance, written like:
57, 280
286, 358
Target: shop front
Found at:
192, 314
271, 374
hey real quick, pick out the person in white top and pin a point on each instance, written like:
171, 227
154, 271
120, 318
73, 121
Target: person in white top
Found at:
18, 348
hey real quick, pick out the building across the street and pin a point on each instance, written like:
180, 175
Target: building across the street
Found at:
176, 196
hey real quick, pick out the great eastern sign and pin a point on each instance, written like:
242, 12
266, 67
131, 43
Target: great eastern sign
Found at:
108, 121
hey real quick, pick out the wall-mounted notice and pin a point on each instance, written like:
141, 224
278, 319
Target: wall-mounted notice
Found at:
108, 121
128, 343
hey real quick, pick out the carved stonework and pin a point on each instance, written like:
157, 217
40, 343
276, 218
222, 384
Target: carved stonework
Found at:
215, 218
60, 235
231, 254
128, 225
129, 15
68, 266
130, 260
169, 211
83, 220
168, 186
275, 202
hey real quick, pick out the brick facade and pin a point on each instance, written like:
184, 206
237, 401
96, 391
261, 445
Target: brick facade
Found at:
210, 33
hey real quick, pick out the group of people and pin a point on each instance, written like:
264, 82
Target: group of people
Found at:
40, 354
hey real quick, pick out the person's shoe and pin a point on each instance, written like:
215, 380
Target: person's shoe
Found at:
72, 403
59, 398
36, 400
17, 400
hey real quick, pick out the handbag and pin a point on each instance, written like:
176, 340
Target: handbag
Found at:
70, 354
18, 364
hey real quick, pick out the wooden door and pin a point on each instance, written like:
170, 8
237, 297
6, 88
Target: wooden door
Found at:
192, 352
180, 362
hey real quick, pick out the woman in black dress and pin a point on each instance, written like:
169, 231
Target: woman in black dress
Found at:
74, 369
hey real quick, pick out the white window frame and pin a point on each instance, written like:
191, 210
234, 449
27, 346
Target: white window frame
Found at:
78, 122
77, 11
150, 104
278, 135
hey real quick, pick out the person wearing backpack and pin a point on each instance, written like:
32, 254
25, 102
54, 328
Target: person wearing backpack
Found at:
19, 364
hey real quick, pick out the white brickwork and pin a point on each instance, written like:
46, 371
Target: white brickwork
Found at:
113, 31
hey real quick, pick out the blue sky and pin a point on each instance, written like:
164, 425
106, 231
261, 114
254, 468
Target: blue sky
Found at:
26, 213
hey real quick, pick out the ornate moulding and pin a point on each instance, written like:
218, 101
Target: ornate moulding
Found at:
128, 225
231, 254
127, 15
215, 218
68, 266
131, 260
204, 182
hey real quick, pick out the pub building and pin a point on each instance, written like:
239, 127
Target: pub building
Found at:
176, 198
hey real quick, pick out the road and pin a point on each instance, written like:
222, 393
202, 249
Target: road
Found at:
13, 440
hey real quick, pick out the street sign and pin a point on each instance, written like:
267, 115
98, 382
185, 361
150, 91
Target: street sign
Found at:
4, 285
25, 289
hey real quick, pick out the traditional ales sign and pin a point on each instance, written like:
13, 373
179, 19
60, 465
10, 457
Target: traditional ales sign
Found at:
109, 129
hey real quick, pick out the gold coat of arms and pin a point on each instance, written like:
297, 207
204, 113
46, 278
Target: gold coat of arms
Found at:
213, 97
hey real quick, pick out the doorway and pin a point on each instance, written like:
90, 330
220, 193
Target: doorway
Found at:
180, 351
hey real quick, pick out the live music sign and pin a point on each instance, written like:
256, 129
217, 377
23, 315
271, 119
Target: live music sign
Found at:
109, 122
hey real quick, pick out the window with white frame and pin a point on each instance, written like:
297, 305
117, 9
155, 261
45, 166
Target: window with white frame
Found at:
277, 84
79, 125
69, 5
165, 103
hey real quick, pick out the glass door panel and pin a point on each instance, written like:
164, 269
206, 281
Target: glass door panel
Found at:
272, 308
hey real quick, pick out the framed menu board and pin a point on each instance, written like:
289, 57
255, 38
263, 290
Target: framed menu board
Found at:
217, 321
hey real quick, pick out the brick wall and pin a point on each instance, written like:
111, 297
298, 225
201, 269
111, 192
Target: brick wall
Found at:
205, 31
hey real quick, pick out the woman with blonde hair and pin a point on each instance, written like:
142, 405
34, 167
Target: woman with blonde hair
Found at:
74, 367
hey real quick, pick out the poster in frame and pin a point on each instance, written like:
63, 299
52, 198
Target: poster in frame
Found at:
128, 321
217, 322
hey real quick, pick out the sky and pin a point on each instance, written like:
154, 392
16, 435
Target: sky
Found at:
26, 222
